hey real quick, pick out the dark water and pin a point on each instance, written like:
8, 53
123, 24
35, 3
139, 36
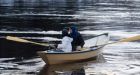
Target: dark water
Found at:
120, 18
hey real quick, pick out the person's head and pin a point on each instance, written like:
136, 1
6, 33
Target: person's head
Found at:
65, 33
73, 31
66, 28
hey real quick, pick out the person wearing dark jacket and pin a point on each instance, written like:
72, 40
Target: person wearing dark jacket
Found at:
78, 41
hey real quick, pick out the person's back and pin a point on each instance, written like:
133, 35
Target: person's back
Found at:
79, 41
66, 42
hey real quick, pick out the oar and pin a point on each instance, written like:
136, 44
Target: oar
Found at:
17, 39
129, 39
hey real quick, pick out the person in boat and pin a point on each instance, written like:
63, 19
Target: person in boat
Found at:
66, 41
78, 41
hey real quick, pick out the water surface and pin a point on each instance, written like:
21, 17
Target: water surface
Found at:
119, 18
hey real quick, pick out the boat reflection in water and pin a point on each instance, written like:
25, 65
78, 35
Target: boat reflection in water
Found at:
78, 68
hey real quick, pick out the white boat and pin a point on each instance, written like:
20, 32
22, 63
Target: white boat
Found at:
93, 47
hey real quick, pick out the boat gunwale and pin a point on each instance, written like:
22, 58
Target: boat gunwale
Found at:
74, 52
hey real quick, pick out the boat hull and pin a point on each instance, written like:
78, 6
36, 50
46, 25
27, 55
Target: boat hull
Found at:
59, 58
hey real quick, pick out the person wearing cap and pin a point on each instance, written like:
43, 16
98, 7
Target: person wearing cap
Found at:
66, 41
78, 41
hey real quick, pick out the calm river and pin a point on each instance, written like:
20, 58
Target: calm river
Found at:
119, 18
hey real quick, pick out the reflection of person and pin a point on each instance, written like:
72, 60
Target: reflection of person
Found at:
79, 72
66, 41
78, 41
63, 69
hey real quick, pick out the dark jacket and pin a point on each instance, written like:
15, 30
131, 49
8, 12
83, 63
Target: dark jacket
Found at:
77, 39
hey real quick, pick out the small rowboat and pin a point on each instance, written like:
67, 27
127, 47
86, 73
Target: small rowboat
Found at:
97, 42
